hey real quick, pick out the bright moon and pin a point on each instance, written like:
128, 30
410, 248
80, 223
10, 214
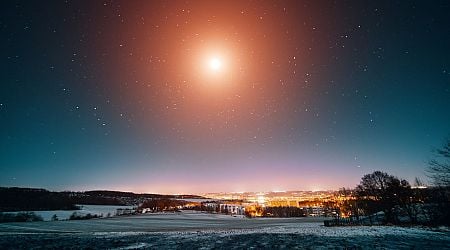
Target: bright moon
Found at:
215, 64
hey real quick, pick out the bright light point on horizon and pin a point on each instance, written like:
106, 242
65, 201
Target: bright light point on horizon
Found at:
261, 199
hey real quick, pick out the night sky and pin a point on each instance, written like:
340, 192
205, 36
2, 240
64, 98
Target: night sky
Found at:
194, 97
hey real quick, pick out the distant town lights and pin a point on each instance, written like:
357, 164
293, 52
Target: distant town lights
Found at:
261, 199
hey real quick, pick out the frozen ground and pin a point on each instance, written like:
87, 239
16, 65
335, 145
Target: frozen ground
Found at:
197, 230
100, 210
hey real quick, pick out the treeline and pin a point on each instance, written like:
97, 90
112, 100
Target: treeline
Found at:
19, 217
161, 204
76, 216
283, 212
381, 196
395, 201
93, 199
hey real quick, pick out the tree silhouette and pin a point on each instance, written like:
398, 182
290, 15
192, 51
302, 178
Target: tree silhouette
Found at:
439, 168
380, 191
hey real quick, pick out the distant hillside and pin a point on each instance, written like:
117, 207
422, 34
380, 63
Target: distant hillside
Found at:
130, 194
27, 199
34, 199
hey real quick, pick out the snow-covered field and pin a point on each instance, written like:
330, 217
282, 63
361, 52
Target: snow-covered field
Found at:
100, 210
199, 230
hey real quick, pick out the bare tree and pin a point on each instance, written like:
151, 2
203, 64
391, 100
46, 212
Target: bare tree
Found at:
380, 191
439, 168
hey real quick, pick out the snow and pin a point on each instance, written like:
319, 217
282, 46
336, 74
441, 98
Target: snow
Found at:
200, 230
85, 209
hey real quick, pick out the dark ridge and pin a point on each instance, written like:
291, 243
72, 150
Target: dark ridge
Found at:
35, 199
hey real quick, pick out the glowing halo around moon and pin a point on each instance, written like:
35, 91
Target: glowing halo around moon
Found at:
214, 67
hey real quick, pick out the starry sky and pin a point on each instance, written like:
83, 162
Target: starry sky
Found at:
306, 95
